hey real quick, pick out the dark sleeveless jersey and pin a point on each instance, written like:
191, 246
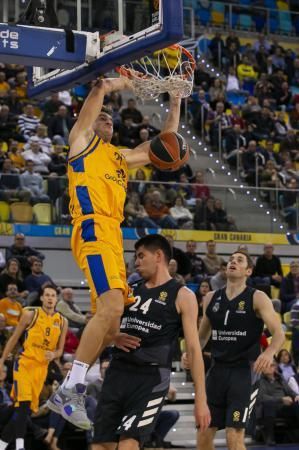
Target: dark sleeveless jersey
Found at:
155, 320
236, 330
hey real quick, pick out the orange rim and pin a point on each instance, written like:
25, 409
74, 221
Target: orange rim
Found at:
122, 70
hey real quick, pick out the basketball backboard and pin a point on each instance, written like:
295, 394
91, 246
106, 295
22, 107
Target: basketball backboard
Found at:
78, 49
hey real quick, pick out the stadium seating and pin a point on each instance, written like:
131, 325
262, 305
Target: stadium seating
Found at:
4, 212
43, 213
21, 212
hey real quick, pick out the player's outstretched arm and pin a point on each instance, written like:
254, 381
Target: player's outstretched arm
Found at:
187, 306
138, 157
264, 309
82, 131
24, 322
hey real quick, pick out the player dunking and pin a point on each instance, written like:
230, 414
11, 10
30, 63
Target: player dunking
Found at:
137, 380
234, 317
44, 338
98, 174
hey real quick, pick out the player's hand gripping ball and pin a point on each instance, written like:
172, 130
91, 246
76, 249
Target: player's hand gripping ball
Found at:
169, 151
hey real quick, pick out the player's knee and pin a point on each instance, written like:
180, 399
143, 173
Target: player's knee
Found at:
234, 438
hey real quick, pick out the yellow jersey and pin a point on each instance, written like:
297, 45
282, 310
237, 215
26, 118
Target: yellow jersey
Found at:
11, 310
98, 178
42, 335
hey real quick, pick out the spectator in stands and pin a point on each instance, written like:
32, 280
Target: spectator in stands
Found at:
44, 141
233, 38
8, 123
14, 103
263, 125
197, 264
127, 133
268, 268
136, 214
262, 42
283, 96
20, 84
61, 124
159, 212
184, 263
203, 289
217, 49
200, 189
252, 162
33, 182
132, 112
58, 160
35, 154
294, 117
290, 143
289, 288
278, 59
199, 108
288, 370
281, 126
15, 155
10, 307
35, 282
142, 136
212, 260
245, 71
4, 86
216, 89
173, 271
141, 186
28, 122
288, 172
23, 253
181, 214
68, 308
275, 399
51, 107
201, 77
10, 184
218, 120
218, 281
153, 131
12, 274
232, 56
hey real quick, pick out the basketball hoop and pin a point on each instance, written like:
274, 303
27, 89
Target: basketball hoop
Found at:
169, 70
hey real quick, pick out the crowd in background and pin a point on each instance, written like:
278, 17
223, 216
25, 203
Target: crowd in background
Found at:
252, 114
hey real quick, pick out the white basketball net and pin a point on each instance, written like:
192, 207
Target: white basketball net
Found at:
169, 70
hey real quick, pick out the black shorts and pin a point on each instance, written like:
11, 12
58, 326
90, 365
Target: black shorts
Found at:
231, 394
130, 402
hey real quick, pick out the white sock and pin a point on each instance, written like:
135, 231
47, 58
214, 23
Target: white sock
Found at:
77, 375
20, 444
3, 445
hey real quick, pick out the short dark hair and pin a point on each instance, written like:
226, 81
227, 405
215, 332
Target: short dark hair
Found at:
153, 242
250, 263
106, 110
48, 286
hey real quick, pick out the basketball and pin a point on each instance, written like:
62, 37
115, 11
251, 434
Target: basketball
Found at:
169, 151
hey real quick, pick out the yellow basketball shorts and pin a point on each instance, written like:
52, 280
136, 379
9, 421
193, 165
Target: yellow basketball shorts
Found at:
97, 247
28, 381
